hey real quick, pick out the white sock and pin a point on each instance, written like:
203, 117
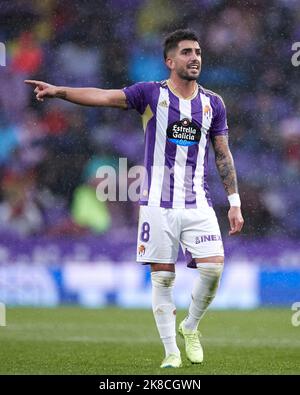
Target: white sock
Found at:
164, 309
203, 293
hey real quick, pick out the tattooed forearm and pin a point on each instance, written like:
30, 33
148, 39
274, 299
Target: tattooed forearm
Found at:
225, 164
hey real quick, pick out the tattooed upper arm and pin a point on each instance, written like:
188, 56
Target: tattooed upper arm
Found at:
224, 163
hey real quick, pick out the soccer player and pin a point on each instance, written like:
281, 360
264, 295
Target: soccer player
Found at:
180, 119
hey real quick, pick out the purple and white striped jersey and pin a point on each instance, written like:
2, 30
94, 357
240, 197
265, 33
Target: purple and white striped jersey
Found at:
177, 135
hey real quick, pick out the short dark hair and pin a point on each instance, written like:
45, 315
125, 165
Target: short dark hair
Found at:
172, 39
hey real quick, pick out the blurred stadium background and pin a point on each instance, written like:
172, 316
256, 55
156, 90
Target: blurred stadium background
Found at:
53, 250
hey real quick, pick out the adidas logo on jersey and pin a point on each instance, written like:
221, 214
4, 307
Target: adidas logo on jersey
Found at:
163, 103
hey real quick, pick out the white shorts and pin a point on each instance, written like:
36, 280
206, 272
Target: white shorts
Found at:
161, 230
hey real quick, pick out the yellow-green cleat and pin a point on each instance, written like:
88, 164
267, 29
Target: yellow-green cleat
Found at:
171, 361
193, 348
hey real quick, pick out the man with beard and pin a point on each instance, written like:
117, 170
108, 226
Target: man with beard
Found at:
180, 118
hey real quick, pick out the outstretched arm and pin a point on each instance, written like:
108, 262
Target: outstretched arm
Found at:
83, 96
226, 169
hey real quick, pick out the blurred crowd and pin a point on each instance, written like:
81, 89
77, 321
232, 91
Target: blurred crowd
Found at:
50, 151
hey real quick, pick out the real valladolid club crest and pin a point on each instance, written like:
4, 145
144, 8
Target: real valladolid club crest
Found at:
207, 112
141, 250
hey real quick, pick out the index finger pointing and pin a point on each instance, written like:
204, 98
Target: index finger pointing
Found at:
33, 82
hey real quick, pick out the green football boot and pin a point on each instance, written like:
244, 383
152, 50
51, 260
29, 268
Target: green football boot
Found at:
193, 348
171, 361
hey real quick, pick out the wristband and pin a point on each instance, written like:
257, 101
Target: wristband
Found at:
234, 200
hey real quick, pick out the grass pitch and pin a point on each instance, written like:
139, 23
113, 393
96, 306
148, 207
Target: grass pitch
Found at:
70, 340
